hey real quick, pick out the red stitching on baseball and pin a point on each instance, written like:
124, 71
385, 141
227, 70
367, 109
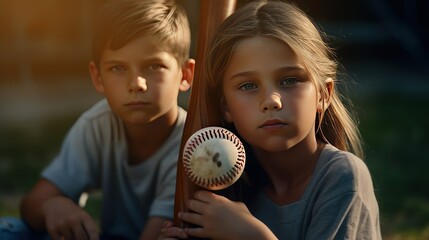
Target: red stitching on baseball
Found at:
229, 176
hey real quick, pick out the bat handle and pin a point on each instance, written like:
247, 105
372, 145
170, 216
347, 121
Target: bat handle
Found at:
212, 13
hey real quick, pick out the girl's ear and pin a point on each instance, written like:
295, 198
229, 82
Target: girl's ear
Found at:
226, 114
187, 75
325, 96
96, 77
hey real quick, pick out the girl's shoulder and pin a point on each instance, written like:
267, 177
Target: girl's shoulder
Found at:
335, 158
342, 170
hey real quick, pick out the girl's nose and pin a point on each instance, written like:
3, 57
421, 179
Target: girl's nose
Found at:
138, 85
272, 101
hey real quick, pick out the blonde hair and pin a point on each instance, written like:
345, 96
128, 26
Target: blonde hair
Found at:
287, 23
121, 21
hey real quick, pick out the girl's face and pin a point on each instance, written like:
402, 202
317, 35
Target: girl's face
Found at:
269, 95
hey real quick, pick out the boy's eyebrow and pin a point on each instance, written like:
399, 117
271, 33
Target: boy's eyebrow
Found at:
295, 68
116, 61
109, 62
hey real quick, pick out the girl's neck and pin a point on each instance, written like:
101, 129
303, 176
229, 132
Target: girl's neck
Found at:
290, 171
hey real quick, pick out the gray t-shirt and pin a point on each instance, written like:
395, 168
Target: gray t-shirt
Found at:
339, 203
94, 156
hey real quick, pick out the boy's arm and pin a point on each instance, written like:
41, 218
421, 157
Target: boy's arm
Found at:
45, 208
32, 204
152, 228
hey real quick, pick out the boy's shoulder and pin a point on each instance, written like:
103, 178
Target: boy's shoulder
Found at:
98, 118
98, 110
181, 116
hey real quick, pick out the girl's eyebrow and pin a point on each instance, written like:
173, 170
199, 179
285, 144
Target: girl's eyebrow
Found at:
295, 68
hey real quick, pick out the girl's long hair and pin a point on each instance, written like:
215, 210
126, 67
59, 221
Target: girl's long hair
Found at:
286, 23
290, 25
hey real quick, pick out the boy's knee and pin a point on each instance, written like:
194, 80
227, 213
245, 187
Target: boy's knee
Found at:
12, 228
12, 224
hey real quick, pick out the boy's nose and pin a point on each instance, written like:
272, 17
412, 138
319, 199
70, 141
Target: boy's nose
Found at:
271, 101
138, 85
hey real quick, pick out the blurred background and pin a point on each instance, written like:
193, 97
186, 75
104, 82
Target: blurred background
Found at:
383, 46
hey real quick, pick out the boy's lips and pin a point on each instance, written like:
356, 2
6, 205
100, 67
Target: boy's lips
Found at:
136, 103
273, 123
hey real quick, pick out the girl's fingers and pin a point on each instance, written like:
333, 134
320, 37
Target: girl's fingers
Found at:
196, 206
168, 224
173, 232
189, 217
205, 196
196, 232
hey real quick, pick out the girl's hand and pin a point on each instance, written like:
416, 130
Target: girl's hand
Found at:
169, 232
221, 218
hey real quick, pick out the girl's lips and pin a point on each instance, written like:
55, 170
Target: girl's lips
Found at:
273, 124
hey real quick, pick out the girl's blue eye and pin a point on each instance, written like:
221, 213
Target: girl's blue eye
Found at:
247, 86
288, 81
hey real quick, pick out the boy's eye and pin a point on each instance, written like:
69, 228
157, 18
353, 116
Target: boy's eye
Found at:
287, 81
155, 66
117, 68
248, 86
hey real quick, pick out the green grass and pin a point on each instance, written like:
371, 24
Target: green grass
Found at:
23, 155
395, 132
394, 128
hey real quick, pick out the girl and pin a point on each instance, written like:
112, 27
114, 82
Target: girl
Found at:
273, 81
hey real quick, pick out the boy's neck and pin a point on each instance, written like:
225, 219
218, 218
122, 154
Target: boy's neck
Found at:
144, 140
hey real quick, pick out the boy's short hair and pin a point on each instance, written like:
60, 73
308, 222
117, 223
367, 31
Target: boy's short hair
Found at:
121, 21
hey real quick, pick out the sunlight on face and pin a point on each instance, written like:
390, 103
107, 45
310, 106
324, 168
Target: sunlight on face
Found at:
141, 80
269, 96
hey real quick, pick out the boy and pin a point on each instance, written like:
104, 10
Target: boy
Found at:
126, 145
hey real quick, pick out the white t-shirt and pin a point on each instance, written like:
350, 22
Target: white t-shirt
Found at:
94, 156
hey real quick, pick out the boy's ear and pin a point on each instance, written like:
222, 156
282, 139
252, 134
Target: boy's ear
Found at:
96, 77
325, 96
187, 75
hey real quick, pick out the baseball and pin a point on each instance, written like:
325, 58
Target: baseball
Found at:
214, 158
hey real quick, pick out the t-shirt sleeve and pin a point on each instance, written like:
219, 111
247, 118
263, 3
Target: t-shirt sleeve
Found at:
344, 217
163, 204
346, 208
73, 169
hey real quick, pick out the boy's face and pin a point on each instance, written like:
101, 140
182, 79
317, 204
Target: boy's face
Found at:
141, 81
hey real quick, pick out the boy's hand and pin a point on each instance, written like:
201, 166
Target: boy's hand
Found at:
221, 218
65, 220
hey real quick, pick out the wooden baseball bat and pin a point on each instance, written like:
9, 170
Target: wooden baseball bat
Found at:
212, 13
